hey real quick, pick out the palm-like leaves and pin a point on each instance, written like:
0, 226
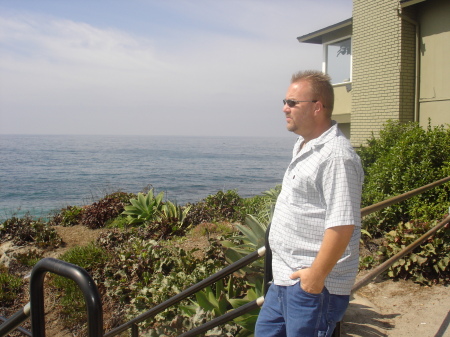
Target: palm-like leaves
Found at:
144, 208
253, 238
172, 211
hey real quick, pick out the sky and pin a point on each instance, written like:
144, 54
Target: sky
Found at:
153, 67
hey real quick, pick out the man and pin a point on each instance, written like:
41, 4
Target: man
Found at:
315, 228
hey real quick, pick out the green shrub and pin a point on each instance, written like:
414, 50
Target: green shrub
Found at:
120, 222
405, 157
226, 206
88, 257
261, 206
164, 219
142, 273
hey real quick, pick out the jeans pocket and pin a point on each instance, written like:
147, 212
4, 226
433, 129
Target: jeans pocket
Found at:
305, 299
306, 292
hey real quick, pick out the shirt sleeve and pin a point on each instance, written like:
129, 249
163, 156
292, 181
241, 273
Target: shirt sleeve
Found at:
342, 185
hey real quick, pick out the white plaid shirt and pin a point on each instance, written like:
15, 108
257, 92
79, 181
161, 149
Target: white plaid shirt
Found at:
321, 189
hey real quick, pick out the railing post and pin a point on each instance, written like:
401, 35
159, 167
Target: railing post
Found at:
134, 330
337, 330
267, 263
81, 278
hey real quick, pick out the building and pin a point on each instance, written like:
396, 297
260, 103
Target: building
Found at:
390, 61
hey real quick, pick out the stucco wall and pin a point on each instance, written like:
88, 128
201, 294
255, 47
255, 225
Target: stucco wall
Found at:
342, 102
434, 19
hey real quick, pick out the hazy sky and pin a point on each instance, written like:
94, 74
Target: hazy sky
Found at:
148, 67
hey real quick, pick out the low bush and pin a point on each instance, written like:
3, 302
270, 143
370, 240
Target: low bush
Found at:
228, 206
145, 208
69, 216
26, 230
261, 206
100, 213
404, 157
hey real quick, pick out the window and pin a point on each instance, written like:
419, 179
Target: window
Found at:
338, 60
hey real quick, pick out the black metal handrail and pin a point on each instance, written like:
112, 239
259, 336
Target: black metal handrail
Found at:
84, 282
388, 202
243, 309
36, 305
15, 320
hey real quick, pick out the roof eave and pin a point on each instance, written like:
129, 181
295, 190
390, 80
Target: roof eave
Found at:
316, 37
407, 3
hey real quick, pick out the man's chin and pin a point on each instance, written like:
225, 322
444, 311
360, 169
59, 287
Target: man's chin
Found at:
290, 128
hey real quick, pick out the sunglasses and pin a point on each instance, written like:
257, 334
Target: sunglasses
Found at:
291, 103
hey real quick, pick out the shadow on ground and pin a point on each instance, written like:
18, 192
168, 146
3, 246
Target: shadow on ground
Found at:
363, 319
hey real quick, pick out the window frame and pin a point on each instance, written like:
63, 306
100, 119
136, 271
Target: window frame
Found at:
325, 57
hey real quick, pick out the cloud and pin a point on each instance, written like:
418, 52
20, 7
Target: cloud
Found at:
203, 68
67, 66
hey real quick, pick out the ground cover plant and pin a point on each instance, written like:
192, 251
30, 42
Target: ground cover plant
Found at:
427, 265
10, 286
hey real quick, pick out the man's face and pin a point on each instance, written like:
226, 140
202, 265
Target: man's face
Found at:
299, 118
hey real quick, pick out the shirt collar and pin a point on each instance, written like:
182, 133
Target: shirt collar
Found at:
322, 139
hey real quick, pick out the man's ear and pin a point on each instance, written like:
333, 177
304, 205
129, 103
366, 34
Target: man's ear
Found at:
318, 106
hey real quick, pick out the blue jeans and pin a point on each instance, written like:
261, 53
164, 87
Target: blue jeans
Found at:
292, 312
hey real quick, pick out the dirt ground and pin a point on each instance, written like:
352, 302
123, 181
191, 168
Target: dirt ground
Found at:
400, 309
382, 308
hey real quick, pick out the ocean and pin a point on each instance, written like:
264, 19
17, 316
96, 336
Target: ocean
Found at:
43, 173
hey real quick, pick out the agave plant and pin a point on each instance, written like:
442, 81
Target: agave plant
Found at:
248, 321
220, 301
273, 193
253, 238
255, 226
144, 208
215, 301
172, 211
